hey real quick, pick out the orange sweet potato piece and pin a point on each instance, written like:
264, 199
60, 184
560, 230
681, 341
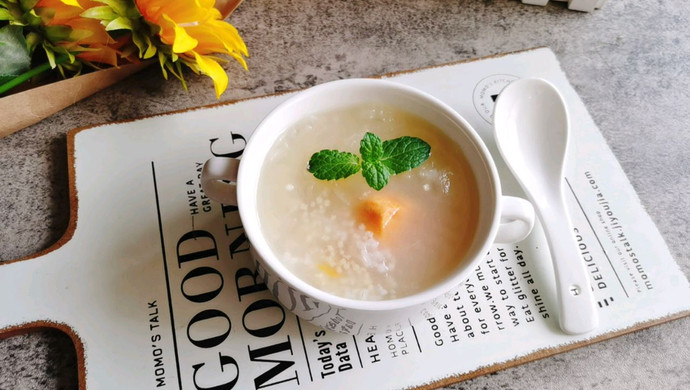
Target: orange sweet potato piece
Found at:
377, 213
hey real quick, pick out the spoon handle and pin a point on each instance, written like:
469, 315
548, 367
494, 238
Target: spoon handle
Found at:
576, 301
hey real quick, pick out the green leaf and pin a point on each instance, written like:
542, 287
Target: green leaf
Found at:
150, 52
33, 19
51, 56
119, 6
146, 48
15, 58
33, 39
371, 147
58, 33
333, 165
101, 13
119, 24
380, 160
180, 75
28, 4
161, 61
404, 153
5, 14
376, 174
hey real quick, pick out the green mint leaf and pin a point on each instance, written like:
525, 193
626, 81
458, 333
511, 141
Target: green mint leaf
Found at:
404, 153
371, 147
333, 165
380, 160
376, 174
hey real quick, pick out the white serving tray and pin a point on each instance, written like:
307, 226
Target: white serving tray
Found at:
153, 281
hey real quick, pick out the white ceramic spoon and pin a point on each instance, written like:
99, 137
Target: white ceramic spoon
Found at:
531, 124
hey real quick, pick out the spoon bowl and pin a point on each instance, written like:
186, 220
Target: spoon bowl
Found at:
531, 130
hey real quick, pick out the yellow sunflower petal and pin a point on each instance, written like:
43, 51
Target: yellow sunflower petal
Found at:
183, 42
207, 4
212, 69
229, 35
73, 3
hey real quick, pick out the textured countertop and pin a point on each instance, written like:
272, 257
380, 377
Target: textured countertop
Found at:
629, 62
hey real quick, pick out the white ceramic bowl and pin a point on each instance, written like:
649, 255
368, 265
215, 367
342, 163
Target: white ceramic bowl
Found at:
335, 312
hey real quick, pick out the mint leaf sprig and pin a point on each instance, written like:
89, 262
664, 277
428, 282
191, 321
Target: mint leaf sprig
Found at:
379, 160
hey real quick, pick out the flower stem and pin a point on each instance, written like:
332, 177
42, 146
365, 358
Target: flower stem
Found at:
22, 78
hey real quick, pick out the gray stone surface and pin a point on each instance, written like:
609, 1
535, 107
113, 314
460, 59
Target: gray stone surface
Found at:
630, 63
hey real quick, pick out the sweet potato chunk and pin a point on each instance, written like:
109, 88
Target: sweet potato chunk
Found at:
376, 214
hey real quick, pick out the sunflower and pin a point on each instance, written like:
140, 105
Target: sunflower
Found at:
195, 30
92, 32
66, 31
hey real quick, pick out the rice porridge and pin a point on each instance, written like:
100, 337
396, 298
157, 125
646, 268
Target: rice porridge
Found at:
350, 240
